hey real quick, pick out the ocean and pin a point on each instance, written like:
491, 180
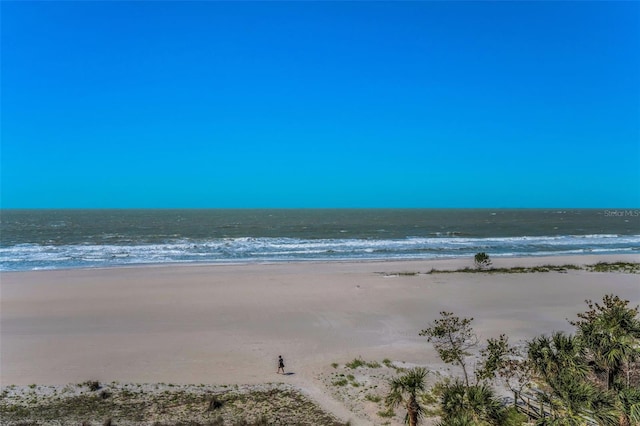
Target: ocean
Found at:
57, 239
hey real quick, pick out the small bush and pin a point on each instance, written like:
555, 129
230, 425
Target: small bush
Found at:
93, 385
215, 404
334, 364
482, 260
372, 398
387, 413
357, 362
340, 382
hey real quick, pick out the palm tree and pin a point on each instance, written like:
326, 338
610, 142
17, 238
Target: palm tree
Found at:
629, 400
560, 363
472, 405
611, 335
574, 401
558, 355
405, 391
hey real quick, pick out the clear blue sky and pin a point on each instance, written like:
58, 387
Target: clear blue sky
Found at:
320, 104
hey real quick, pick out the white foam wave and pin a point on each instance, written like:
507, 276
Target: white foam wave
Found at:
34, 256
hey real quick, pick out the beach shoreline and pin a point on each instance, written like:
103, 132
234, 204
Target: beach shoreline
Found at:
456, 262
227, 324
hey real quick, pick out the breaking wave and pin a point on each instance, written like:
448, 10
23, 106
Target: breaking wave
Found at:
21, 257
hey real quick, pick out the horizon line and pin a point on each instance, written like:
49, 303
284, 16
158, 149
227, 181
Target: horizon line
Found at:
331, 208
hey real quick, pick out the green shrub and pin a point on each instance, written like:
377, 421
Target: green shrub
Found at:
387, 413
357, 362
482, 260
631, 268
372, 398
340, 382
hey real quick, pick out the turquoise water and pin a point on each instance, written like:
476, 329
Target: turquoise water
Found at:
53, 239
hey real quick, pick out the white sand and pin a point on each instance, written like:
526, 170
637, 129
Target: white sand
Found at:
227, 324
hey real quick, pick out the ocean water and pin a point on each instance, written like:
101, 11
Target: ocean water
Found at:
55, 239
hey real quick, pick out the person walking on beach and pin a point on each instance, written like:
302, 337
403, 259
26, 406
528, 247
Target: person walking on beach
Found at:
280, 364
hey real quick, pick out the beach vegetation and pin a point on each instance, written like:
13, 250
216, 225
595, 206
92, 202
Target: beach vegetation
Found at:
493, 357
340, 382
429, 398
453, 338
406, 391
482, 260
626, 267
386, 413
93, 385
181, 405
387, 363
622, 267
559, 362
372, 398
590, 377
460, 401
215, 404
610, 334
477, 404
359, 362
507, 363
334, 364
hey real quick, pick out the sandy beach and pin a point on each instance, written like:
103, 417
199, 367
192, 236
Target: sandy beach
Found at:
227, 324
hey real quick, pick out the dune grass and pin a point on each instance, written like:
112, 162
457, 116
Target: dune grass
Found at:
161, 405
620, 267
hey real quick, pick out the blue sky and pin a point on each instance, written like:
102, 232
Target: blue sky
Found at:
320, 104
